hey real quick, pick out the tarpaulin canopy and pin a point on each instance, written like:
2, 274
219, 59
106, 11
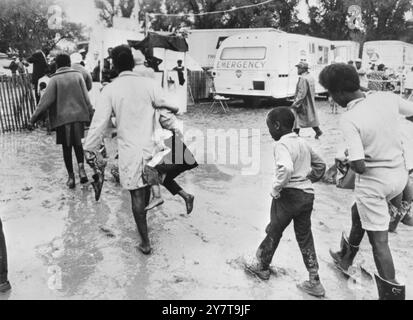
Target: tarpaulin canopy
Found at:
154, 40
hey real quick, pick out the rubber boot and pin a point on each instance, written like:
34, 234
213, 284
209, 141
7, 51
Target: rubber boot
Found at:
4, 283
5, 287
345, 257
82, 174
408, 220
318, 133
313, 286
71, 181
390, 291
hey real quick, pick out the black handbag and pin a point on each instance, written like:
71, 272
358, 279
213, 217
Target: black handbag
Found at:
346, 177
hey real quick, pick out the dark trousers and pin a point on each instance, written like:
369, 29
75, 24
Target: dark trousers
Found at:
293, 205
3, 256
178, 161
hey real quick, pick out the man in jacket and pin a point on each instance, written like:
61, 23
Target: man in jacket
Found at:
304, 103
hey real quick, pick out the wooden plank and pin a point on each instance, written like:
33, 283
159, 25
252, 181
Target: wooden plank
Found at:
26, 96
22, 102
6, 104
16, 102
12, 103
2, 113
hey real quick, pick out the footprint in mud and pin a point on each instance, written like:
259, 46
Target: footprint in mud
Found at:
199, 234
47, 204
242, 262
107, 232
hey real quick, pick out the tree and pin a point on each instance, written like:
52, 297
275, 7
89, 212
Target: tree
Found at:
24, 26
279, 14
385, 19
108, 9
382, 20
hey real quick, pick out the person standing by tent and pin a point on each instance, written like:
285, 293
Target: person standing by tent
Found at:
364, 82
40, 67
371, 129
304, 103
180, 69
108, 72
22, 66
13, 67
132, 99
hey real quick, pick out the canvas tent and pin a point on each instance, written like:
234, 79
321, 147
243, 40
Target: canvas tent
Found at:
169, 49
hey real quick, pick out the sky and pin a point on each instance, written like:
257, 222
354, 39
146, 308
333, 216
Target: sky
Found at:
84, 11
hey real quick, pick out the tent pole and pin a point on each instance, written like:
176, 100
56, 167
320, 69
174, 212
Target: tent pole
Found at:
147, 21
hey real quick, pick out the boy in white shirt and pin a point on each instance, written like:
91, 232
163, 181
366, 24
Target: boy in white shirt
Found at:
372, 132
297, 167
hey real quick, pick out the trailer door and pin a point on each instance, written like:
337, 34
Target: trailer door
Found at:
293, 59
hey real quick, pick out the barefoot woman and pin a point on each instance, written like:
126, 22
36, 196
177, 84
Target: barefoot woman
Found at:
132, 99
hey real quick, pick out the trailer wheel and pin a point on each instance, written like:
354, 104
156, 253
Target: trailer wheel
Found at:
252, 102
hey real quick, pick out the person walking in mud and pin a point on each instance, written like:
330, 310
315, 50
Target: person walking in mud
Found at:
371, 130
297, 166
67, 99
304, 103
4, 281
132, 100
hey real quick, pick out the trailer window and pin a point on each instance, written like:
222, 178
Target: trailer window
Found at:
244, 53
220, 40
322, 57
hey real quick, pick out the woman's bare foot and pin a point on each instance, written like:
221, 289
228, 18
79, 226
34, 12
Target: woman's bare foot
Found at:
145, 248
155, 202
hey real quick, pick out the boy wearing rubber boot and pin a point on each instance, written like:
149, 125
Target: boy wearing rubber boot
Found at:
297, 166
4, 282
371, 130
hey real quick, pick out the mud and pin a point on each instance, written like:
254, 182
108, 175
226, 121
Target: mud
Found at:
58, 234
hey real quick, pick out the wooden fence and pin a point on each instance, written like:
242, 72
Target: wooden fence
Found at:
199, 85
17, 102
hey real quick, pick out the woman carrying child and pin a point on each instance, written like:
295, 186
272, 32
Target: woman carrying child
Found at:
132, 100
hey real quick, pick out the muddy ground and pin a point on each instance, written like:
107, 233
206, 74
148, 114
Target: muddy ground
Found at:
64, 245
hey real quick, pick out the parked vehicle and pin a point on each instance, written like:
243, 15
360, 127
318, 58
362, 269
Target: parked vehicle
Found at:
344, 51
393, 54
204, 43
257, 65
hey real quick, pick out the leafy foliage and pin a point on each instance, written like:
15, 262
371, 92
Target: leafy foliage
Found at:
24, 27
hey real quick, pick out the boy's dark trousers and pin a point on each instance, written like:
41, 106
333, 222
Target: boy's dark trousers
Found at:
178, 161
293, 205
3, 256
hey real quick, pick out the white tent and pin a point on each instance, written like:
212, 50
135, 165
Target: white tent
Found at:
192, 64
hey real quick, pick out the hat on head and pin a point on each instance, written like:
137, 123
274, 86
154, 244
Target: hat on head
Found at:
303, 65
138, 57
76, 58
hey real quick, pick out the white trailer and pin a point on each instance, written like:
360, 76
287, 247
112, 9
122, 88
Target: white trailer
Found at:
345, 51
258, 65
204, 43
393, 54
